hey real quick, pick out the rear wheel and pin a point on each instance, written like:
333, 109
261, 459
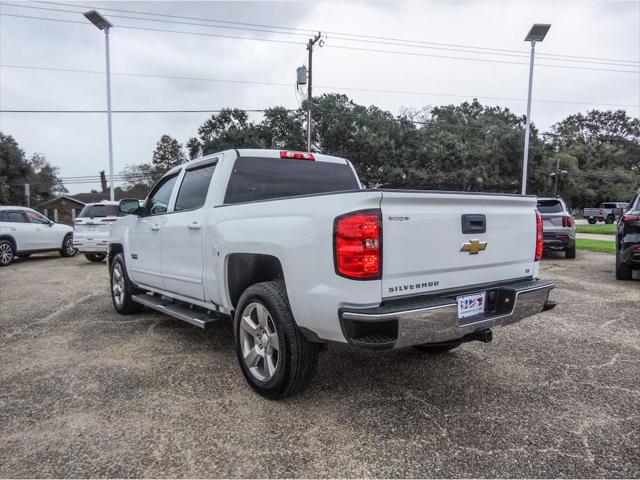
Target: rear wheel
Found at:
275, 358
68, 250
95, 257
438, 348
592, 221
122, 289
570, 252
7, 253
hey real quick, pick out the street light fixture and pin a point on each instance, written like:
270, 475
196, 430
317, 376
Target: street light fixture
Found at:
536, 34
104, 24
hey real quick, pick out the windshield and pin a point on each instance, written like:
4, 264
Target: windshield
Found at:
550, 206
92, 211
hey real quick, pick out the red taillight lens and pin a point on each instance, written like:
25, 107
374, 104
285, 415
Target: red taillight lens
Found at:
296, 155
628, 217
539, 239
567, 222
358, 245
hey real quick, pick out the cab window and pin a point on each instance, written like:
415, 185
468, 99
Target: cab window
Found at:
194, 188
158, 202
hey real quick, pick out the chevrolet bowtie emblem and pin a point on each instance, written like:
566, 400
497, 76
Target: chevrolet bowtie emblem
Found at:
473, 247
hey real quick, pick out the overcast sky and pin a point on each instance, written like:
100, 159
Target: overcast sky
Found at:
606, 30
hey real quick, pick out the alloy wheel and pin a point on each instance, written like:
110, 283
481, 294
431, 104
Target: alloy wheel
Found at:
117, 285
259, 342
6, 254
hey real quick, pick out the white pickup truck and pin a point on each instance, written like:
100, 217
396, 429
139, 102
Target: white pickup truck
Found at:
291, 248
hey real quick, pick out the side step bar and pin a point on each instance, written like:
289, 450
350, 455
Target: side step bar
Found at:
197, 318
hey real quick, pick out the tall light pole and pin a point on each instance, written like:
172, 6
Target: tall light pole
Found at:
536, 34
104, 24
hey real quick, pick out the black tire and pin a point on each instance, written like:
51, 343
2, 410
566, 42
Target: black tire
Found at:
7, 253
438, 348
623, 272
23, 255
592, 221
570, 252
95, 257
67, 249
297, 358
609, 220
126, 305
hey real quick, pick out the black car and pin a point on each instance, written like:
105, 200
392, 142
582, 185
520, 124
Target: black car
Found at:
628, 240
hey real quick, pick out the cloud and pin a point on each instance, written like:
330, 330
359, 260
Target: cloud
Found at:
77, 143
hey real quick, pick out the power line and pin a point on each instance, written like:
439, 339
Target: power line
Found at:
344, 38
282, 84
344, 47
306, 32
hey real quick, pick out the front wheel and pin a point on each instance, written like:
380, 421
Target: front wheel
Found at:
7, 253
68, 250
122, 288
623, 272
95, 257
275, 358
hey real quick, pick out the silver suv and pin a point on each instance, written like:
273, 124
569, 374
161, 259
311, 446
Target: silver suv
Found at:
558, 226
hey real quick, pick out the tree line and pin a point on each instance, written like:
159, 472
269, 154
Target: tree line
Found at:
465, 147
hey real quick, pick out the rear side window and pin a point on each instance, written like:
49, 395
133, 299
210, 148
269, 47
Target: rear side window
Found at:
609, 205
12, 217
194, 188
550, 206
256, 178
92, 211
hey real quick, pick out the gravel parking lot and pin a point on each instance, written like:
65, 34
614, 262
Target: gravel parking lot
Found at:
85, 392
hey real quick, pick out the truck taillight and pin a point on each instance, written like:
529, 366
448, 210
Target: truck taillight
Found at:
296, 155
539, 238
567, 222
357, 245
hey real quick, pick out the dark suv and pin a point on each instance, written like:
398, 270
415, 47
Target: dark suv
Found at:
628, 240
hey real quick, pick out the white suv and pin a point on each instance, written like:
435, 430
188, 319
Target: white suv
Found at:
24, 231
92, 227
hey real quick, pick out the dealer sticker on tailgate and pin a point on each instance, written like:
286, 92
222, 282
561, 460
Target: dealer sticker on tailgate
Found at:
469, 305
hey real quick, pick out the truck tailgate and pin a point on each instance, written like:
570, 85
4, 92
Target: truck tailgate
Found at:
424, 245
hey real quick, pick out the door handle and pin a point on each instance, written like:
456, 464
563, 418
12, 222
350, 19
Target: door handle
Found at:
155, 227
194, 226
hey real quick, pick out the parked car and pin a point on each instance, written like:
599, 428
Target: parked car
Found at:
628, 240
603, 214
91, 229
23, 232
291, 248
559, 228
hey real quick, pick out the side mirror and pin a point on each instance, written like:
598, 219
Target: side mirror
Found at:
129, 206
617, 211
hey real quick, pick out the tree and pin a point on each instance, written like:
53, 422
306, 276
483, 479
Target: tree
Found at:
16, 170
230, 128
168, 154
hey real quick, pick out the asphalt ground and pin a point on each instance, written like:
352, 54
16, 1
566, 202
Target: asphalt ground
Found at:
85, 392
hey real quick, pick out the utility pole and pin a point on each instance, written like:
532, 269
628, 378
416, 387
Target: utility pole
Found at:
312, 42
555, 180
27, 194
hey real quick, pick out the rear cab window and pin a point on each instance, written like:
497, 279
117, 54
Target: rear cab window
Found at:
550, 206
261, 178
93, 211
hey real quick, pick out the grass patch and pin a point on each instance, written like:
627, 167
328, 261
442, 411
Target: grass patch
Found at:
600, 229
596, 245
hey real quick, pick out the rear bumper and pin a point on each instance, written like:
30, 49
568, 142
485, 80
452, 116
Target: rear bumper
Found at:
90, 246
435, 320
558, 240
630, 254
